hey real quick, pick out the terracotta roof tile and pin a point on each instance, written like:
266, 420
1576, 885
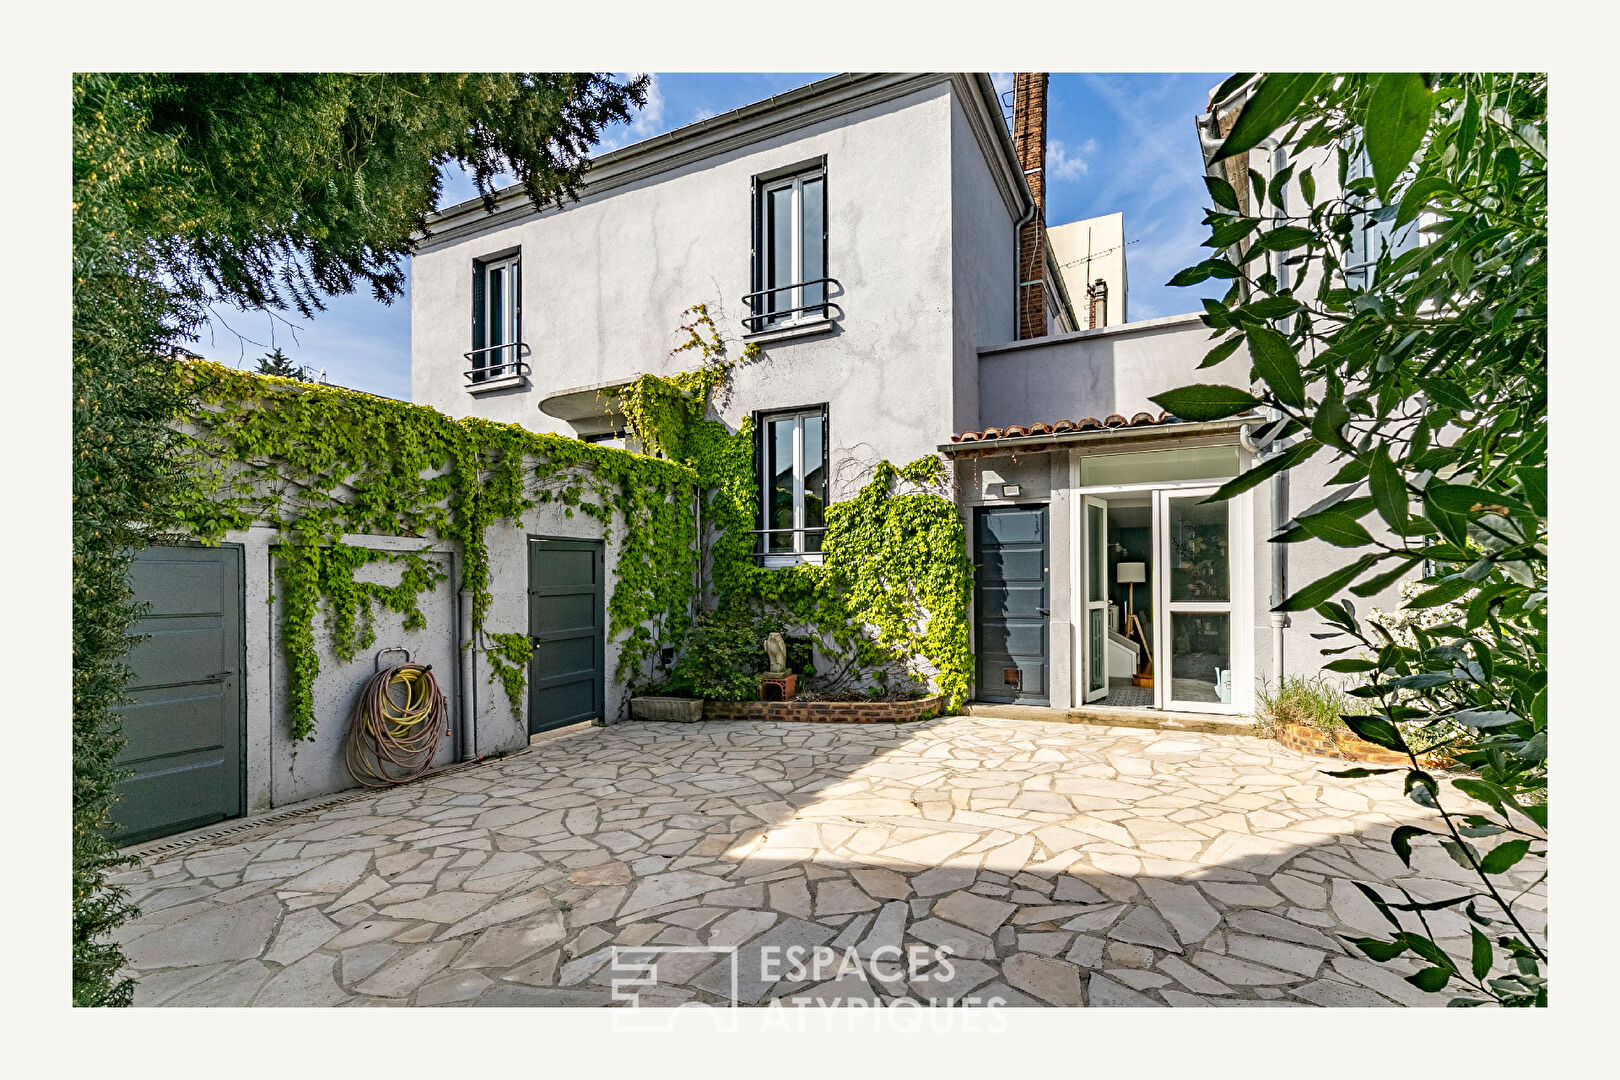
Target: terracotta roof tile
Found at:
1058, 427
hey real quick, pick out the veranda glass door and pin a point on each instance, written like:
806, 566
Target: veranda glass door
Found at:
1195, 590
1094, 631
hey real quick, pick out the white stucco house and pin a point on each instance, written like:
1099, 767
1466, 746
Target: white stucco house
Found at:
883, 238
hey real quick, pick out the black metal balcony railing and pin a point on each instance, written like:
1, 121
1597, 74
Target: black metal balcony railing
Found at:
776, 316
495, 361
762, 542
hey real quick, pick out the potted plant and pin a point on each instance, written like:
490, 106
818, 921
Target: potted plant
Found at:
720, 660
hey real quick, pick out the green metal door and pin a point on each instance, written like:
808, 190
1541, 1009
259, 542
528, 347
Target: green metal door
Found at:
1011, 604
567, 623
185, 726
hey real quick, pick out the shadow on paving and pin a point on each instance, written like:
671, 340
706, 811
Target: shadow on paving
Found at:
1058, 865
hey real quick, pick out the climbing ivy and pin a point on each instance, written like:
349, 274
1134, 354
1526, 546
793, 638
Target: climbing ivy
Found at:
894, 583
321, 463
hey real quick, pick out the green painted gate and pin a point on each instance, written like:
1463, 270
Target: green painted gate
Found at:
567, 624
185, 727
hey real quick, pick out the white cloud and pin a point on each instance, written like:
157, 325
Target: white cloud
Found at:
649, 121
1063, 165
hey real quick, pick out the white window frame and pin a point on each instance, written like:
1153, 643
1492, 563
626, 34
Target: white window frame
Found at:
795, 182
771, 558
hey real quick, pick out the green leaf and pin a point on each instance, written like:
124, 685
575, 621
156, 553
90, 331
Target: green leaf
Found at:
1284, 238
1204, 401
1446, 393
1349, 666
1357, 772
1224, 236
1222, 192
1267, 468
1381, 951
1377, 584
1443, 593
1423, 189
1397, 118
1533, 483
1276, 363
1388, 490
1502, 857
1324, 588
1328, 423
1375, 729
1271, 104
1274, 307
1430, 979
1307, 187
1485, 718
1400, 841
1481, 959
1337, 528
1221, 351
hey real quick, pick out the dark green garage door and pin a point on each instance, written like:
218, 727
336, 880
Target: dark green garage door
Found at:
567, 624
1011, 604
184, 729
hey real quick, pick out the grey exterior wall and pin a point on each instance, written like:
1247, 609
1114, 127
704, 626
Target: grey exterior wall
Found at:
1092, 372
282, 771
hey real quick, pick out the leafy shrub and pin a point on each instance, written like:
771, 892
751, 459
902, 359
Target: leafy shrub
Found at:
1315, 702
723, 654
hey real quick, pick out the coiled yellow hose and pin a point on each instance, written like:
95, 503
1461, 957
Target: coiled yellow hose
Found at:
395, 726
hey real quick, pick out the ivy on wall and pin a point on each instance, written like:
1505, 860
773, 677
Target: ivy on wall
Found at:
322, 462
894, 584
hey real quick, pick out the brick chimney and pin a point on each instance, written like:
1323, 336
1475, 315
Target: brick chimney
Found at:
1029, 140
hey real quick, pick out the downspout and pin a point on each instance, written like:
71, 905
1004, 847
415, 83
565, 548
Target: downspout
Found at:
464, 646
1209, 140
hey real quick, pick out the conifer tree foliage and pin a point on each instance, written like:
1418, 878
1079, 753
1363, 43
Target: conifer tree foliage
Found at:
1424, 376
277, 362
259, 192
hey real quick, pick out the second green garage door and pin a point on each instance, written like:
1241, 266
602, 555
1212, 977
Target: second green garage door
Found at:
567, 623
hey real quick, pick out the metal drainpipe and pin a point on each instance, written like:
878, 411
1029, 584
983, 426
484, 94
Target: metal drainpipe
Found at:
1279, 483
464, 637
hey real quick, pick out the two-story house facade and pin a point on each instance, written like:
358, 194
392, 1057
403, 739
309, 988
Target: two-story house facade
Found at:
882, 237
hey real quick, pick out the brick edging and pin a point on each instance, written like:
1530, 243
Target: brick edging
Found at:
833, 712
1304, 739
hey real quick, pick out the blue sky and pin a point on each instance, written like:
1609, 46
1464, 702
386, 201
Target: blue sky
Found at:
1114, 143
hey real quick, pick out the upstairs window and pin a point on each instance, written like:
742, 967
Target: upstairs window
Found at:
790, 249
1372, 233
497, 330
790, 449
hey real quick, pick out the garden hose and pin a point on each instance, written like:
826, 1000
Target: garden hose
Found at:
395, 726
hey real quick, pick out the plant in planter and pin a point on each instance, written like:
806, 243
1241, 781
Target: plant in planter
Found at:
723, 654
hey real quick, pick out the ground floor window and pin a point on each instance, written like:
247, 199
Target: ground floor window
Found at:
791, 449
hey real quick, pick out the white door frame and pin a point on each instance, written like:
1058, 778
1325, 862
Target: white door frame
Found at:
1242, 569
1091, 605
1239, 638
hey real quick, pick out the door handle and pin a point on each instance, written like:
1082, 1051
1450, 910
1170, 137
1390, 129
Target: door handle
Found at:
220, 674
1043, 611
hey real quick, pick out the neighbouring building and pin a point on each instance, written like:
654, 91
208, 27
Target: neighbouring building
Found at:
1090, 255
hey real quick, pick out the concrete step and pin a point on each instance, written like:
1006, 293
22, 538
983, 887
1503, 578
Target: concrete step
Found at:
1104, 716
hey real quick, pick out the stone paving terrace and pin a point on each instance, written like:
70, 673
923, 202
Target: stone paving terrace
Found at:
1060, 864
